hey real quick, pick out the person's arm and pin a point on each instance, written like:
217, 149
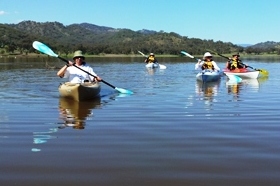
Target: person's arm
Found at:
242, 64
156, 61
198, 64
61, 72
146, 60
90, 70
216, 67
228, 63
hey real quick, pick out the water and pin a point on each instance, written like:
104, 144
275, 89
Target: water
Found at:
171, 131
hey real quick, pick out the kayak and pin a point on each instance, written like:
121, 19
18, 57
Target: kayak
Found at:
208, 76
79, 91
244, 74
152, 65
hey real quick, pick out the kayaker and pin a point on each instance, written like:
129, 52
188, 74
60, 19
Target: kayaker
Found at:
76, 75
235, 63
207, 63
151, 59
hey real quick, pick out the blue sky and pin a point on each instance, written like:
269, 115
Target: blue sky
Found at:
235, 21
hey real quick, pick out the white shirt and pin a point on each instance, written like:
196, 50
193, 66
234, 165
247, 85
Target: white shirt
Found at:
76, 75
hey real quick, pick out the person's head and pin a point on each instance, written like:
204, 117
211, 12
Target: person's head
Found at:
236, 55
207, 56
152, 54
78, 56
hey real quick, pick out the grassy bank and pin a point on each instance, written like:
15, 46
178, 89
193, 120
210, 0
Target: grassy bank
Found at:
35, 55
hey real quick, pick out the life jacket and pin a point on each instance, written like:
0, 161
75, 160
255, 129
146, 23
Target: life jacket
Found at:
151, 59
234, 64
207, 65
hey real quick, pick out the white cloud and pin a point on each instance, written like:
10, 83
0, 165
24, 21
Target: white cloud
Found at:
2, 12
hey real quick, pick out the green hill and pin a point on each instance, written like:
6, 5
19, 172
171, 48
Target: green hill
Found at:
94, 39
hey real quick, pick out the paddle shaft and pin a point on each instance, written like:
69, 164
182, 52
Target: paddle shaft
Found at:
66, 61
229, 59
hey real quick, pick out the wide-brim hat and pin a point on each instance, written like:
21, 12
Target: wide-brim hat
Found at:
207, 54
78, 53
152, 54
236, 54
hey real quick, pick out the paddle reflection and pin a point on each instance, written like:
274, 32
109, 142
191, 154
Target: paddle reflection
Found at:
74, 114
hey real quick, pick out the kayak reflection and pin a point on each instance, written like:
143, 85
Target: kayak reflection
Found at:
251, 85
74, 113
208, 90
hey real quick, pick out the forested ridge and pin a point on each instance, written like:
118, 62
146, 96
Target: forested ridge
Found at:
94, 39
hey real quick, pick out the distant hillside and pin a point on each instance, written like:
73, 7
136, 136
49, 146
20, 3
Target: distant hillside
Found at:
268, 44
94, 39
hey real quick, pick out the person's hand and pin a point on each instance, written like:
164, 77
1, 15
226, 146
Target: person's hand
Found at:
198, 61
98, 78
70, 63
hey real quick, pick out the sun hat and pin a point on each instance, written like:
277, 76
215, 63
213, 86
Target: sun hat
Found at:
152, 54
207, 54
237, 54
78, 53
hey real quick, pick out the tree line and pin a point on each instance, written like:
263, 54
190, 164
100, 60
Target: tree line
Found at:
95, 40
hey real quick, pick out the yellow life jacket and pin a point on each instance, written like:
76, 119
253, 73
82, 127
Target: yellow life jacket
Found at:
208, 65
151, 59
234, 64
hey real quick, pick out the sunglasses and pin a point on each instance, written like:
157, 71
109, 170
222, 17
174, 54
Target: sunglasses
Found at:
79, 58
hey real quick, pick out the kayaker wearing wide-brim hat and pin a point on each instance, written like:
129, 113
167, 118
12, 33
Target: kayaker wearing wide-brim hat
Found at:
207, 63
76, 75
151, 59
235, 63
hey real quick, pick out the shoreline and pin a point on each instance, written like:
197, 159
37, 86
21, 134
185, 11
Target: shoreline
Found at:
33, 55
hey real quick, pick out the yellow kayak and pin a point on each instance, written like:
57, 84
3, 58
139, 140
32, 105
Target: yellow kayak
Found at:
79, 91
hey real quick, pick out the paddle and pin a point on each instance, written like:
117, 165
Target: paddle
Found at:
187, 54
160, 66
46, 50
262, 71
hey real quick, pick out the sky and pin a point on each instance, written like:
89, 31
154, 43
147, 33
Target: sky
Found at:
235, 21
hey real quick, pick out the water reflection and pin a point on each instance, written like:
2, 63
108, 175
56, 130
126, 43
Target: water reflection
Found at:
250, 84
74, 114
151, 71
208, 91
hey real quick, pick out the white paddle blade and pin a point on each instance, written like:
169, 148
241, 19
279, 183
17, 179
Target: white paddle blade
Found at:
142, 53
162, 66
187, 54
43, 48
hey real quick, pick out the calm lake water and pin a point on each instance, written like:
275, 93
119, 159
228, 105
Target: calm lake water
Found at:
173, 131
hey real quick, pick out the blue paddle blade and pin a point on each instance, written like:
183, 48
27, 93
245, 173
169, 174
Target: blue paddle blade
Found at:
43, 48
123, 91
